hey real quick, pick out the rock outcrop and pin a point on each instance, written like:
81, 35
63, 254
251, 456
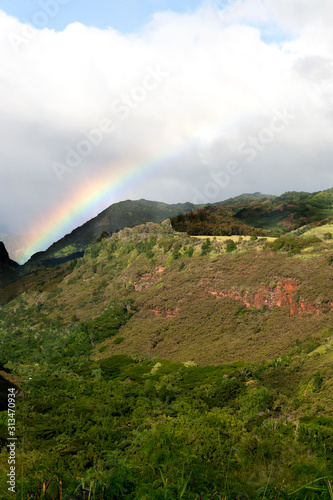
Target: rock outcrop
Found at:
7, 267
282, 294
6, 263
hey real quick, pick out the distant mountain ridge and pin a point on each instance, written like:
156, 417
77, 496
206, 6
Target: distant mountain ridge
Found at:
244, 198
119, 215
249, 213
258, 214
128, 213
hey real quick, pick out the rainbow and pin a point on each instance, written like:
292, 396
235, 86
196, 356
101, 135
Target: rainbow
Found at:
107, 189
100, 191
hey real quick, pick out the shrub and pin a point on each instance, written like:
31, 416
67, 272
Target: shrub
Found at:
240, 310
113, 366
206, 247
189, 251
175, 254
255, 401
94, 251
317, 382
231, 246
292, 245
118, 340
166, 243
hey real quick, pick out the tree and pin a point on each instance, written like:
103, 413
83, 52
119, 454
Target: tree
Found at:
206, 247
231, 246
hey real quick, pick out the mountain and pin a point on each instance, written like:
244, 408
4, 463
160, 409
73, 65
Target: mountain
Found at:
5, 262
119, 215
267, 215
244, 198
254, 214
8, 268
18, 244
162, 365
177, 282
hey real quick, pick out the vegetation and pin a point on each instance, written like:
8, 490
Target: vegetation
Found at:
258, 214
163, 366
293, 245
160, 429
212, 221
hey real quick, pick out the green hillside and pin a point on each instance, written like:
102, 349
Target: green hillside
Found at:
244, 198
161, 365
267, 215
119, 215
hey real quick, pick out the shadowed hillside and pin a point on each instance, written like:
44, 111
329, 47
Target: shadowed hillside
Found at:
117, 216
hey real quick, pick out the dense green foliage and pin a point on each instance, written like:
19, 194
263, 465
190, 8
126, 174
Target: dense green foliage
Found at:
212, 221
126, 428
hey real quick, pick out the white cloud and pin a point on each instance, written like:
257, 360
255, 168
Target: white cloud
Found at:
217, 83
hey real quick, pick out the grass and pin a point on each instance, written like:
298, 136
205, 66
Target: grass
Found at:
235, 238
319, 232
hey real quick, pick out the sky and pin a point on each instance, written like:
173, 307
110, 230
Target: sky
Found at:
172, 101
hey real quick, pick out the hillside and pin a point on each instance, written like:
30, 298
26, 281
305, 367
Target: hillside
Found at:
156, 364
247, 214
150, 265
162, 346
119, 215
244, 198
267, 215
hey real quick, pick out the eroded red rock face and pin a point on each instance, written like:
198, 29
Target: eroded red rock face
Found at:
279, 295
302, 307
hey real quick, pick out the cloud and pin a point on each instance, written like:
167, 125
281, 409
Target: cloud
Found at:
183, 95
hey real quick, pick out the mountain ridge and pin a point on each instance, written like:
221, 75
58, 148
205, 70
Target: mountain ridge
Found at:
127, 213
250, 213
